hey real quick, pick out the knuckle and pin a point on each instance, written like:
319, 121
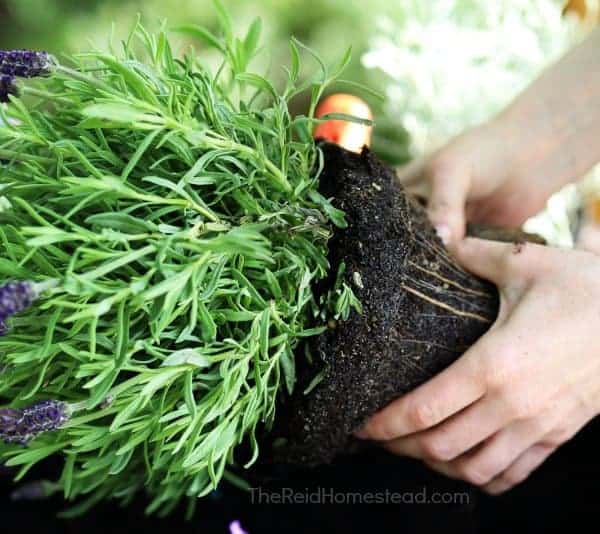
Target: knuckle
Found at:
556, 438
439, 167
437, 206
519, 258
436, 449
474, 474
380, 427
512, 478
421, 415
542, 425
515, 257
518, 407
497, 373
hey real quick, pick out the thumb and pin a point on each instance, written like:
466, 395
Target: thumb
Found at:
483, 258
446, 206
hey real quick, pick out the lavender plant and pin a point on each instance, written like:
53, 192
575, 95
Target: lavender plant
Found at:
167, 220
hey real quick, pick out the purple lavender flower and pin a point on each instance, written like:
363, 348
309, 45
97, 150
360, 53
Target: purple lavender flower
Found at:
16, 297
7, 87
25, 63
22, 425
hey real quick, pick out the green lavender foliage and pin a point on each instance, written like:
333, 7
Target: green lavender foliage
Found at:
177, 209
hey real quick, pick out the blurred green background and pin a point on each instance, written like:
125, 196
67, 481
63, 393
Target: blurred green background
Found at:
69, 24
442, 65
328, 26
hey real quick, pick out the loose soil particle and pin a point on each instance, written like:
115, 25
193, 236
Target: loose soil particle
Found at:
420, 310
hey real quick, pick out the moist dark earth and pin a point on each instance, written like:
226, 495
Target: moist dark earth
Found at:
420, 309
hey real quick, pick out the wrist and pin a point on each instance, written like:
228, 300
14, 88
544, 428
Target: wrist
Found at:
538, 152
554, 124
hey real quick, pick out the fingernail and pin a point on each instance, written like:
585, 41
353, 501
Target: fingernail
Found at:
443, 232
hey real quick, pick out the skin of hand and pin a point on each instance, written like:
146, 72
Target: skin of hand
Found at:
472, 179
502, 408
503, 171
532, 381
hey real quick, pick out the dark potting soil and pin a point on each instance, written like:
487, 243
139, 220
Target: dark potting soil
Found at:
420, 310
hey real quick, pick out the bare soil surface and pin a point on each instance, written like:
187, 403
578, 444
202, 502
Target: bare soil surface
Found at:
420, 310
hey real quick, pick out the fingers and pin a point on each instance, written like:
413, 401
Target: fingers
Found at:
456, 435
570, 424
447, 189
506, 458
497, 262
520, 469
446, 207
431, 403
496, 454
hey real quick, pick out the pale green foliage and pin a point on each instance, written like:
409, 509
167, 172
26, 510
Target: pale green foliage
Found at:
178, 211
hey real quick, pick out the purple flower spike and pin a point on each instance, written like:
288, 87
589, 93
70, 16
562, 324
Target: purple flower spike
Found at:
25, 63
22, 425
16, 297
7, 87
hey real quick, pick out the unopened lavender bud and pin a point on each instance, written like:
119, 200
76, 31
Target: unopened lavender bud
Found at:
7, 87
22, 425
16, 297
25, 63
3, 328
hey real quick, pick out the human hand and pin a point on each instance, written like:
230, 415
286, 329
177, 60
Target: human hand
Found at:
526, 387
480, 177
503, 171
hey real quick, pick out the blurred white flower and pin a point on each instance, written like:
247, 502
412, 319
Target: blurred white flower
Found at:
452, 64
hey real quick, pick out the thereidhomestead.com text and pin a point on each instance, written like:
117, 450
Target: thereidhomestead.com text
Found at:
331, 496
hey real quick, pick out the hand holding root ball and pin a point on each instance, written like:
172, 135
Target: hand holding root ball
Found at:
524, 388
532, 381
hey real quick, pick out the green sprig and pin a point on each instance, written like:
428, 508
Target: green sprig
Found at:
185, 230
